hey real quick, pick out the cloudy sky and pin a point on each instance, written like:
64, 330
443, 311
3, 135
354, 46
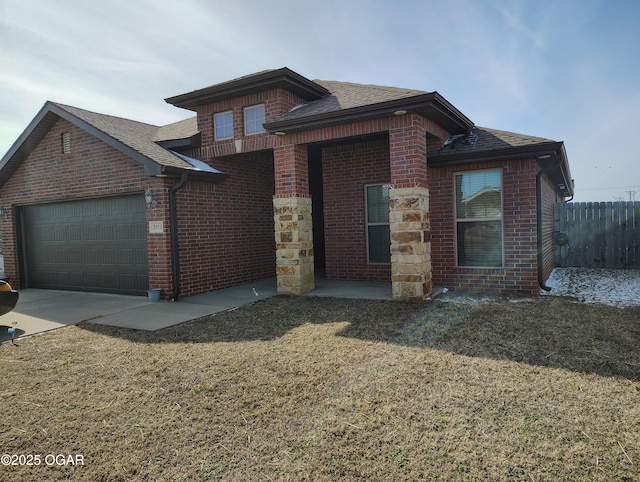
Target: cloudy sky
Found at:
565, 70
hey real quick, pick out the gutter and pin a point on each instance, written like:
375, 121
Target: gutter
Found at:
173, 220
437, 158
540, 244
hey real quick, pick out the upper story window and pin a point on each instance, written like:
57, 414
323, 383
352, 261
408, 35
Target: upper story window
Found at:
223, 125
479, 218
253, 119
66, 142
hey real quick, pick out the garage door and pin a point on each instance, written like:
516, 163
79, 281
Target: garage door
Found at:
87, 245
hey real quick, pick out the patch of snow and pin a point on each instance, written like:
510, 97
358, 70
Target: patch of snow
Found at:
614, 287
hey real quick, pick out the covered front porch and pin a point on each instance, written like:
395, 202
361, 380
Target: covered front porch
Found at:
391, 157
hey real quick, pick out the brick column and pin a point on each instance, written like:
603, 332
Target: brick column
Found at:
292, 219
409, 210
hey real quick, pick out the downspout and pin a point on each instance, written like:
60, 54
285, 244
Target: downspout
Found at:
540, 244
173, 219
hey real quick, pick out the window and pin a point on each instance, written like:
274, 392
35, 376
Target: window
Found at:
253, 119
66, 142
224, 125
378, 236
479, 218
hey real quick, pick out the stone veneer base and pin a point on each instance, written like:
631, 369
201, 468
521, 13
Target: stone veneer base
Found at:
294, 245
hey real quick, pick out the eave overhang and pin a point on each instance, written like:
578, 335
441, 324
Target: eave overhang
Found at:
547, 154
430, 105
194, 175
283, 78
185, 143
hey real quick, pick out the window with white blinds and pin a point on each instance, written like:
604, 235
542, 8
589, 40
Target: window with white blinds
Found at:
377, 214
479, 239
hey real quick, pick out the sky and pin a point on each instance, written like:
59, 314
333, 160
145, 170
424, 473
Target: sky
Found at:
560, 69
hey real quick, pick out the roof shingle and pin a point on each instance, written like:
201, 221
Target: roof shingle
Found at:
483, 139
183, 129
136, 135
346, 95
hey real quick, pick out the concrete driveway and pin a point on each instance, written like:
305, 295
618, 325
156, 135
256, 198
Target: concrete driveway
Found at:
38, 311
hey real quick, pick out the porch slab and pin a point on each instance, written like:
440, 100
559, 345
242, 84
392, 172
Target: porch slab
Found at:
367, 290
244, 294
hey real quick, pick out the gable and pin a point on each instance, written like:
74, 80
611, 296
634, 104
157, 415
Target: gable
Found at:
132, 138
90, 167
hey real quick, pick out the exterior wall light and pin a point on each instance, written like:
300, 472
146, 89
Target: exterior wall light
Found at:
400, 112
148, 199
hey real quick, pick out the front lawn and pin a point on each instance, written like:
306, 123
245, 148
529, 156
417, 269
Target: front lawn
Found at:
302, 388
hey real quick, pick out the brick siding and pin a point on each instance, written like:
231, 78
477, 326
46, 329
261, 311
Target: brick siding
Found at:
519, 275
276, 102
408, 150
291, 171
549, 198
226, 230
346, 170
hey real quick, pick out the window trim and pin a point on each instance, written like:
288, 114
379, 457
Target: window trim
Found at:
367, 224
262, 129
457, 220
215, 125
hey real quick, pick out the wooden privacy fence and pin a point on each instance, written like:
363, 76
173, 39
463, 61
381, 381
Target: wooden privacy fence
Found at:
600, 235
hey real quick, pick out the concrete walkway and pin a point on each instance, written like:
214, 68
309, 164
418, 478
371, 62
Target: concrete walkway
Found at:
39, 311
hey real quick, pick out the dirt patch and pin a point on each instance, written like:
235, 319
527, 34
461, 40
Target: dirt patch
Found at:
325, 389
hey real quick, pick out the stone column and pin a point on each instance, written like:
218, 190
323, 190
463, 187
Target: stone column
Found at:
294, 245
410, 243
409, 210
292, 220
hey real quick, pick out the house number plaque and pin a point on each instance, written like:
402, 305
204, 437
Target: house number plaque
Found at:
156, 227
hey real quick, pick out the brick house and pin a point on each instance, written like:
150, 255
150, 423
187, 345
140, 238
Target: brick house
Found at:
280, 175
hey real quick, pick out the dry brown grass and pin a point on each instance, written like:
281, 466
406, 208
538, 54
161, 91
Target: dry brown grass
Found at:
324, 389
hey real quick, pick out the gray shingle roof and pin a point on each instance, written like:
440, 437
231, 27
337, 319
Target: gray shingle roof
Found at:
283, 78
483, 139
482, 143
346, 95
135, 139
183, 129
347, 102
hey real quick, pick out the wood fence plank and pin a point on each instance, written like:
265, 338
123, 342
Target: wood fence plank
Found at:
601, 235
634, 239
592, 227
611, 232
